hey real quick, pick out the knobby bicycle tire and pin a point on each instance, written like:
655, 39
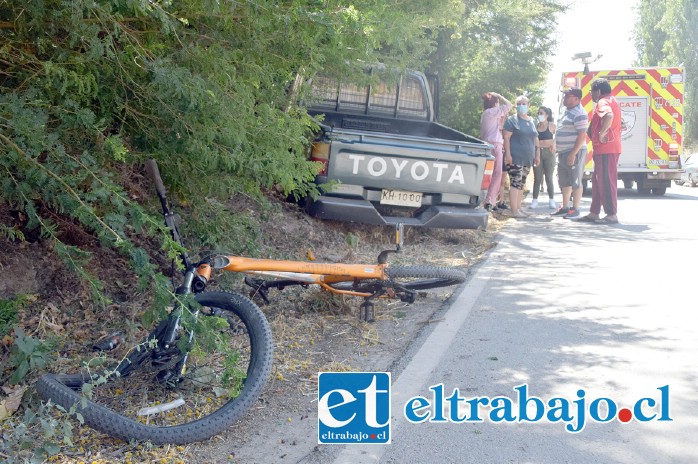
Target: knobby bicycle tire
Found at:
416, 277
213, 409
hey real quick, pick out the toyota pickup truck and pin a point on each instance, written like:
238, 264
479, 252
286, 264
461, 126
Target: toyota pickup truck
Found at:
387, 161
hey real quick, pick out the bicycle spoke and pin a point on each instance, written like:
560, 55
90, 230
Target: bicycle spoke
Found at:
210, 381
225, 371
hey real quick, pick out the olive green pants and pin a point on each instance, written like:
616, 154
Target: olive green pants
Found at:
545, 168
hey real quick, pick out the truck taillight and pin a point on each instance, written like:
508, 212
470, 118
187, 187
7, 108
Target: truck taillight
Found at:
674, 159
321, 153
487, 178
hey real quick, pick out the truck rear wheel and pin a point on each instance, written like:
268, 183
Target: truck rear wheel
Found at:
641, 189
659, 191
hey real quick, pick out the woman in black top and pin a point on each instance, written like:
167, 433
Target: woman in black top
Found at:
546, 139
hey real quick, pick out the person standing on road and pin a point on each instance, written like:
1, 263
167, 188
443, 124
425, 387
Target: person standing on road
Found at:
521, 151
504, 188
496, 107
605, 130
572, 152
546, 140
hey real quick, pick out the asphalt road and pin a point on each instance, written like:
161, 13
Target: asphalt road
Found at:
562, 307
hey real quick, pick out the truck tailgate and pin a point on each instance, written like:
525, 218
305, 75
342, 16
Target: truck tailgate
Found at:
385, 161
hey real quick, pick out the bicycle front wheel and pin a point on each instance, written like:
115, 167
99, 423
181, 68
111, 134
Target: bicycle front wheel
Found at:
417, 277
225, 374
423, 277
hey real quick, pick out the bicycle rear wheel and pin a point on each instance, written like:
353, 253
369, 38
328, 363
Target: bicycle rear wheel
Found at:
219, 386
417, 277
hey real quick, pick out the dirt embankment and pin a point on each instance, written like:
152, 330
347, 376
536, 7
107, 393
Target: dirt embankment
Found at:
312, 330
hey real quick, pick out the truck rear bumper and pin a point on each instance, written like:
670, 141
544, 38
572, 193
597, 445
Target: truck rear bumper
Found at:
362, 211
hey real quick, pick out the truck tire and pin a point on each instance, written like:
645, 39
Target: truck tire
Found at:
659, 191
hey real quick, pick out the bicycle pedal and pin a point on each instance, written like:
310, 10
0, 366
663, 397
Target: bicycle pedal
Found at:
168, 378
408, 297
109, 342
367, 312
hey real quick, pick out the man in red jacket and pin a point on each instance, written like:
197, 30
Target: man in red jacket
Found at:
604, 132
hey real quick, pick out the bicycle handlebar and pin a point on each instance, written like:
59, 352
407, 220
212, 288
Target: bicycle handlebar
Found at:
151, 166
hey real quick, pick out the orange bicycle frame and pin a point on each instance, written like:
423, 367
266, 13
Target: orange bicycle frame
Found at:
321, 274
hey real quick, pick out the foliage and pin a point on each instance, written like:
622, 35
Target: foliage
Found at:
666, 34
28, 354
36, 435
8, 313
89, 90
498, 46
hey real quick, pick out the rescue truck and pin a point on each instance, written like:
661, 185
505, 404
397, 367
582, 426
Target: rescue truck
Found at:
651, 102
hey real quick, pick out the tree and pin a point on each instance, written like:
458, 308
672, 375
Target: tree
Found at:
666, 34
497, 45
90, 89
649, 38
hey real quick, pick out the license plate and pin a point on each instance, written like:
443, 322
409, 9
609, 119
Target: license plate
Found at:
401, 198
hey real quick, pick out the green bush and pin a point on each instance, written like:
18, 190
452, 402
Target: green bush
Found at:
28, 354
9, 310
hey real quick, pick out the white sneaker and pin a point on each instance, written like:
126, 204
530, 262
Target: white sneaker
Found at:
534, 203
552, 204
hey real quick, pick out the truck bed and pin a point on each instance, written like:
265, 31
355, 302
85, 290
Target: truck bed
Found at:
415, 128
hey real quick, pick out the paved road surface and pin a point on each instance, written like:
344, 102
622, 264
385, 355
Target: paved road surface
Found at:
563, 306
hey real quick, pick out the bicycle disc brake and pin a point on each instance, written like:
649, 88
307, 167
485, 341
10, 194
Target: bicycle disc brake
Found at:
169, 361
404, 294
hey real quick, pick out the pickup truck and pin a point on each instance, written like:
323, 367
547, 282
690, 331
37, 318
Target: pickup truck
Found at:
387, 161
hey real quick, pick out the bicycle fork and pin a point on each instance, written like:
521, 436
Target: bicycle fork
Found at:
367, 311
168, 337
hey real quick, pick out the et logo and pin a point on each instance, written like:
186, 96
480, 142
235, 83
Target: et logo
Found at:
354, 407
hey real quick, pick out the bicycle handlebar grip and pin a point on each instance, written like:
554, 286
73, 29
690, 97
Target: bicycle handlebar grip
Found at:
151, 166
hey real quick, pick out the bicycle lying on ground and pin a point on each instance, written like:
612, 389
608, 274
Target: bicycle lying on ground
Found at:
206, 363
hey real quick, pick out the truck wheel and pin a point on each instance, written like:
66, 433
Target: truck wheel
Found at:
307, 204
628, 183
659, 191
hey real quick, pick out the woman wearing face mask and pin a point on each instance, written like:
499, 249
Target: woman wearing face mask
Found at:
521, 151
546, 140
